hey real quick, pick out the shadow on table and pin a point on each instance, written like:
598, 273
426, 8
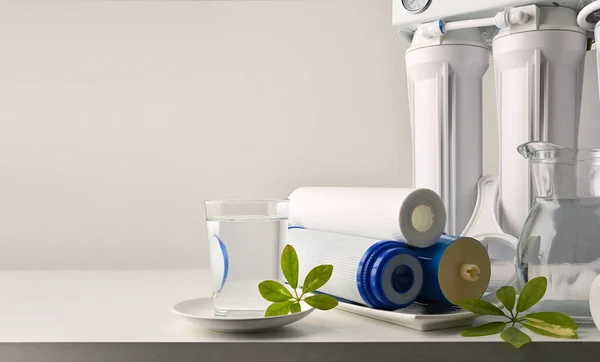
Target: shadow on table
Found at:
289, 332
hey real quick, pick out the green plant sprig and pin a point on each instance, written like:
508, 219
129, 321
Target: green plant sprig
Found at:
549, 324
283, 302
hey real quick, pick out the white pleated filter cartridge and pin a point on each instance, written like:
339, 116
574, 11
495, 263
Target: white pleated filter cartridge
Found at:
379, 274
414, 216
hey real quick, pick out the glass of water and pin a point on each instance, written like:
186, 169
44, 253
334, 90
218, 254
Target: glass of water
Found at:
245, 238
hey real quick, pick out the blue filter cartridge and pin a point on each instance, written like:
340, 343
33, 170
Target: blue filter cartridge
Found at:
380, 274
455, 268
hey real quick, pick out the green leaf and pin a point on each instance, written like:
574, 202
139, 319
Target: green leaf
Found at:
321, 301
289, 265
316, 278
551, 330
479, 306
554, 318
532, 293
274, 291
296, 308
515, 337
279, 308
484, 330
507, 295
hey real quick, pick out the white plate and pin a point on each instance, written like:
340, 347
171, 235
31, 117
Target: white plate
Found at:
199, 311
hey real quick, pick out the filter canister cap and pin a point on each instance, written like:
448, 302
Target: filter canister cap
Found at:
463, 251
422, 218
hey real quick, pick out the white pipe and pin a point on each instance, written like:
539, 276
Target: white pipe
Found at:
466, 24
584, 13
502, 20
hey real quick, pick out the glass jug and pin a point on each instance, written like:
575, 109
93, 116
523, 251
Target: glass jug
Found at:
561, 237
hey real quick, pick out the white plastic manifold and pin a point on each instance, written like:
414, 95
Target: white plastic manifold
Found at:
503, 19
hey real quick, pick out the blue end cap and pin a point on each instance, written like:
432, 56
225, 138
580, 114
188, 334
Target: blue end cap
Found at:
295, 227
370, 274
441, 25
377, 281
364, 268
376, 275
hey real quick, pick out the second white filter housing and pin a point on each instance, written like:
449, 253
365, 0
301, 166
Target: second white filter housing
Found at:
539, 79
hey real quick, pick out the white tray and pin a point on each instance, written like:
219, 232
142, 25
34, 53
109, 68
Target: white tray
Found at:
423, 317
417, 316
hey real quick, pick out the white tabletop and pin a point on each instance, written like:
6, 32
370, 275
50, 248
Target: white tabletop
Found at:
111, 315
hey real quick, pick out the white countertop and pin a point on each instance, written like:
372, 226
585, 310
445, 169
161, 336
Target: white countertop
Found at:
116, 315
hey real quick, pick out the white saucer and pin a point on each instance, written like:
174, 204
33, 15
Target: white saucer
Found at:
199, 311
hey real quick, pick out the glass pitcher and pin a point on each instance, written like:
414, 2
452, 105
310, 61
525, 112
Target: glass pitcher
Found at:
561, 237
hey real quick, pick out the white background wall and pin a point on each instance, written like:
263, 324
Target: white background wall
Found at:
118, 118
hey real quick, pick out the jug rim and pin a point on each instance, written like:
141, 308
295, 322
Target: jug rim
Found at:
565, 155
545, 152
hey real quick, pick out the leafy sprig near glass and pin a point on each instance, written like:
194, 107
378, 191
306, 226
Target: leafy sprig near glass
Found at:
285, 301
549, 324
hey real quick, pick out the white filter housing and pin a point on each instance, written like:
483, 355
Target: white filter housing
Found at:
539, 78
445, 87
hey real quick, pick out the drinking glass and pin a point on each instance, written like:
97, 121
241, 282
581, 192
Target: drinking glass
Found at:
244, 242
